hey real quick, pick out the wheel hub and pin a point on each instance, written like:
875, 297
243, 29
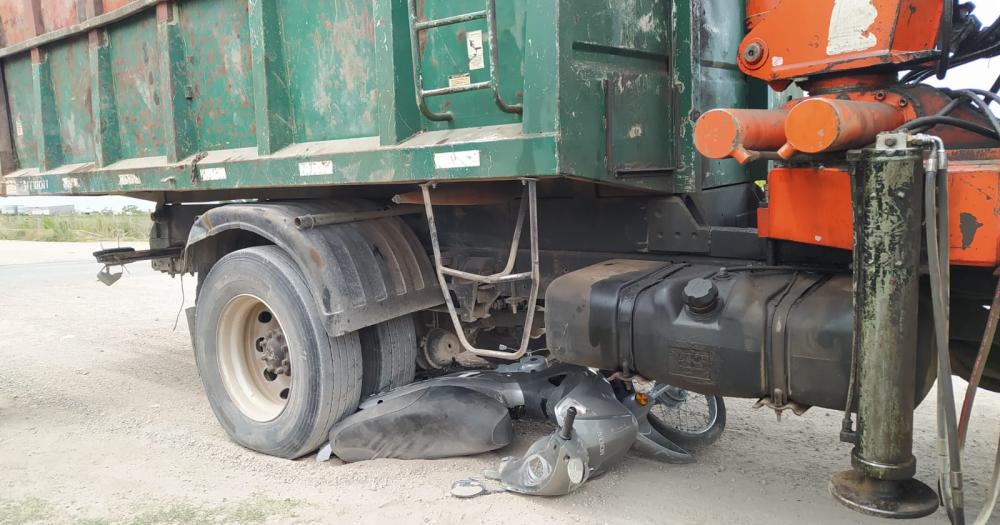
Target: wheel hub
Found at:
254, 358
272, 349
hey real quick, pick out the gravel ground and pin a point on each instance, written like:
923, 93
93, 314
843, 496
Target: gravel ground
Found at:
103, 420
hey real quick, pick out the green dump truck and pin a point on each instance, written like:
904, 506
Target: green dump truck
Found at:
327, 111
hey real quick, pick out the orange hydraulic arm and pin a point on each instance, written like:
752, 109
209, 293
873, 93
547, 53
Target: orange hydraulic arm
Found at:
847, 54
797, 39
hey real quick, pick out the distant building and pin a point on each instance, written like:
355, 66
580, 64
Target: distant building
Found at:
49, 211
10, 210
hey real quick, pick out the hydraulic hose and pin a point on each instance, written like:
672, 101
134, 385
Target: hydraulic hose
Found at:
980, 366
936, 209
929, 122
970, 399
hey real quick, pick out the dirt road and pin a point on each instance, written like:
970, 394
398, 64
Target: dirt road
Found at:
102, 420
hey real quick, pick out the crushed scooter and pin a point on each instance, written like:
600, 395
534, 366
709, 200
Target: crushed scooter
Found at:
598, 420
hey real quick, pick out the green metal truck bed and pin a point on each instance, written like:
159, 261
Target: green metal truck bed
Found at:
196, 97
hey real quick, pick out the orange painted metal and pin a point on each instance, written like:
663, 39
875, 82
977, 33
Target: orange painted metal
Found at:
848, 112
799, 39
812, 205
737, 133
974, 214
757, 11
819, 125
809, 206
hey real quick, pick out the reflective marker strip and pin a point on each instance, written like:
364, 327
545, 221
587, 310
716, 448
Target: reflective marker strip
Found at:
457, 159
316, 169
213, 174
129, 179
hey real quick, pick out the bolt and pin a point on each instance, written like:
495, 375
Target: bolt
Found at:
891, 142
880, 95
754, 53
903, 103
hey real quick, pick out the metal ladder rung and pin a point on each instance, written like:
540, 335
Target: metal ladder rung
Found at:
529, 208
437, 92
487, 279
450, 20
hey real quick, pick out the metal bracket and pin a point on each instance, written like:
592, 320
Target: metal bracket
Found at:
529, 207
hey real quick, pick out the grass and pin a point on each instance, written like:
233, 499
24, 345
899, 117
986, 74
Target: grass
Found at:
24, 511
254, 510
75, 228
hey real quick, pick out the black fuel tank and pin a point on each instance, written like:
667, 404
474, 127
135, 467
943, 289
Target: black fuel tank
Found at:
783, 335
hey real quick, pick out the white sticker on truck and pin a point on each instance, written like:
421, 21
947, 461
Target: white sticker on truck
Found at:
474, 40
459, 80
457, 159
213, 174
850, 26
129, 179
26, 185
316, 169
71, 183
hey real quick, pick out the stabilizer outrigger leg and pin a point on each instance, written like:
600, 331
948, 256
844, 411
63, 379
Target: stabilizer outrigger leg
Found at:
887, 279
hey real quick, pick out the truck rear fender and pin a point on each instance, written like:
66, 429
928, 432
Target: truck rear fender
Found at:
361, 273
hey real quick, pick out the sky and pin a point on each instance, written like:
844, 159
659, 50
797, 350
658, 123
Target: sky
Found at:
979, 74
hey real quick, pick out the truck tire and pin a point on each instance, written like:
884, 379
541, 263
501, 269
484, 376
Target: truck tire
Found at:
389, 355
274, 378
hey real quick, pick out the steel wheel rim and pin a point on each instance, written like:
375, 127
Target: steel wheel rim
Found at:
251, 382
669, 412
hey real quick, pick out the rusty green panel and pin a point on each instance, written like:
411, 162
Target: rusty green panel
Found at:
447, 59
134, 57
107, 147
278, 93
8, 157
541, 69
398, 115
504, 157
272, 101
215, 35
709, 33
17, 76
615, 91
46, 117
177, 125
70, 82
329, 46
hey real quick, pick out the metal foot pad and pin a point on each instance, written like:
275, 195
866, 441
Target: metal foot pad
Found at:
908, 499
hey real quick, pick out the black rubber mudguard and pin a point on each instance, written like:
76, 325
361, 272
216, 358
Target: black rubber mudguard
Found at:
432, 423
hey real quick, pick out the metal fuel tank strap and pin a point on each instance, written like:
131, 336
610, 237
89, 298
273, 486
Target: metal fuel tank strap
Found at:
627, 298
